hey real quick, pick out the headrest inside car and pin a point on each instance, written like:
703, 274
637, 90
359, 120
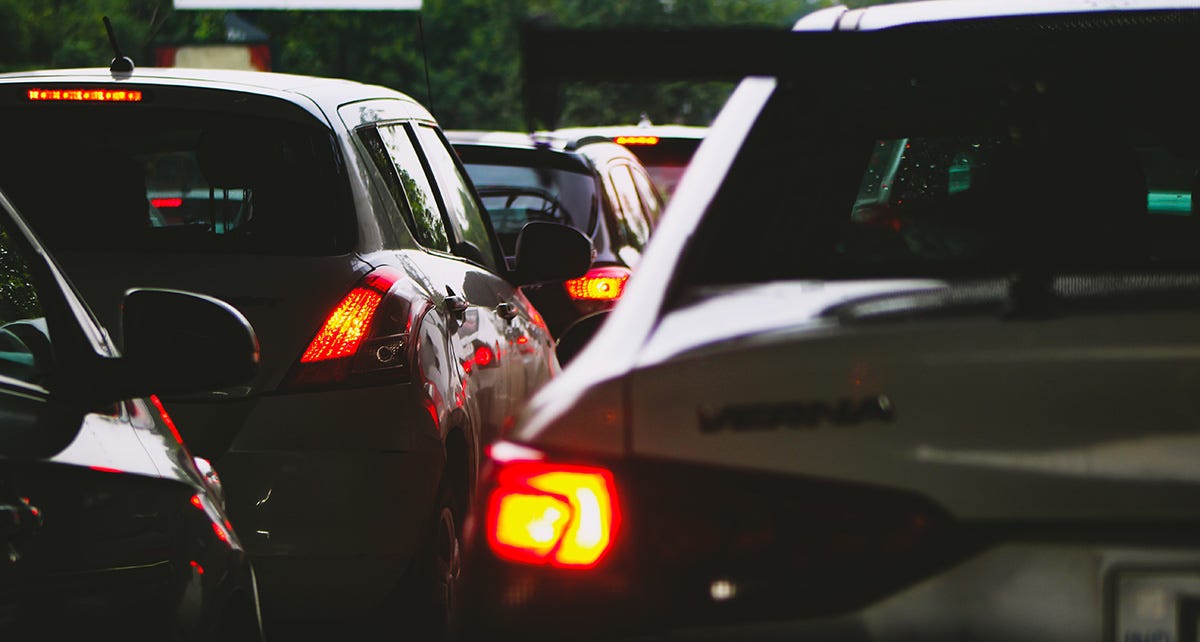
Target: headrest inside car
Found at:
257, 157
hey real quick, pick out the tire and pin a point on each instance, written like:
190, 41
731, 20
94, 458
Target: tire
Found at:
436, 573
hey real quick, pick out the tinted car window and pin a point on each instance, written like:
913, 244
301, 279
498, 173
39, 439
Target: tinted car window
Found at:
575, 191
24, 338
933, 186
461, 209
516, 195
178, 180
634, 226
416, 191
645, 189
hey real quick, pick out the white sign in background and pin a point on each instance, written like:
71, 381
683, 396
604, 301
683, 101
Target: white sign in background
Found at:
313, 5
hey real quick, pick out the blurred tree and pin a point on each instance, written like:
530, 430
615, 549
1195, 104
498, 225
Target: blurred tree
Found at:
471, 46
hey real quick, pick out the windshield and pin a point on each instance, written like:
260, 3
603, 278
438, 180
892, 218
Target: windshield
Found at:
943, 177
167, 180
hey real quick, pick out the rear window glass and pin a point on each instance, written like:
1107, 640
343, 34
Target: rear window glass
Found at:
937, 177
515, 195
174, 180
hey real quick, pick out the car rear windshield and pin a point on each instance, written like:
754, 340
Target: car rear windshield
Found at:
515, 195
145, 178
666, 160
982, 168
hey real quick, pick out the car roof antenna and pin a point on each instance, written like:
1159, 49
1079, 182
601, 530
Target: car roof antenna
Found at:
121, 64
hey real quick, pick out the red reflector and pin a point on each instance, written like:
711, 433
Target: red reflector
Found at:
85, 95
221, 534
636, 140
484, 356
196, 565
545, 513
196, 501
165, 203
599, 284
347, 327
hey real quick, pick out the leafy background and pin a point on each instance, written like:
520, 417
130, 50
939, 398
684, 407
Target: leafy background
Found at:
471, 44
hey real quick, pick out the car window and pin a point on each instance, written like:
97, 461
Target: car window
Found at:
24, 337
575, 191
411, 188
650, 202
461, 208
177, 180
634, 227
930, 187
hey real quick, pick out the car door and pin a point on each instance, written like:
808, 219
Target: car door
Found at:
456, 265
521, 355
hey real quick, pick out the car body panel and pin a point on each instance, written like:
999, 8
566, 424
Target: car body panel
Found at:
1058, 451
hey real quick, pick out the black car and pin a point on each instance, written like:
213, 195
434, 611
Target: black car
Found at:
591, 184
108, 526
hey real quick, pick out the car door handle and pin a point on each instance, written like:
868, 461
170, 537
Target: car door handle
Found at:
506, 311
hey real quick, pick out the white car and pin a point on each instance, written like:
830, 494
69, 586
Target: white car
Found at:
963, 407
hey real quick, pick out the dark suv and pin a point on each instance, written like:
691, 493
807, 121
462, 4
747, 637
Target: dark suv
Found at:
593, 185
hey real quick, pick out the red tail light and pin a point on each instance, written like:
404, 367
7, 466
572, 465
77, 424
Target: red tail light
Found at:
599, 284
166, 203
355, 338
346, 328
540, 512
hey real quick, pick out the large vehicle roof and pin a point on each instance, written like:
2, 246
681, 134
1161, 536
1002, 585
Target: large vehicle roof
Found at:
327, 92
926, 11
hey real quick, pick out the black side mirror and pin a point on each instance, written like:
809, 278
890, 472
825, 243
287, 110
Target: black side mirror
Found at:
551, 252
579, 334
179, 342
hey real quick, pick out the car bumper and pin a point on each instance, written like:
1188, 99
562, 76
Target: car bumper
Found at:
330, 493
711, 554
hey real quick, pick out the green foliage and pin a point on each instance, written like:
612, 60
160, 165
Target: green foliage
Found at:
472, 48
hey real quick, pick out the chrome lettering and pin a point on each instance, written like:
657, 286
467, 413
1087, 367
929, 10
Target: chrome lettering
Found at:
798, 415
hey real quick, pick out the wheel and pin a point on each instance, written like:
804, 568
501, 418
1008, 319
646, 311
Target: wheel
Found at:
437, 571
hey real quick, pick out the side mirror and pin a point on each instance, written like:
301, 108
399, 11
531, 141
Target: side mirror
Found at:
551, 252
179, 342
579, 334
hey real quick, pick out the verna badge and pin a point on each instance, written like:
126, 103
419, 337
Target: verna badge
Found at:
797, 415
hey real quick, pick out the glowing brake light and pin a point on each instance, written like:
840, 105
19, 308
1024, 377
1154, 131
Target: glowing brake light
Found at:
636, 140
599, 284
347, 326
545, 513
166, 203
364, 336
85, 95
